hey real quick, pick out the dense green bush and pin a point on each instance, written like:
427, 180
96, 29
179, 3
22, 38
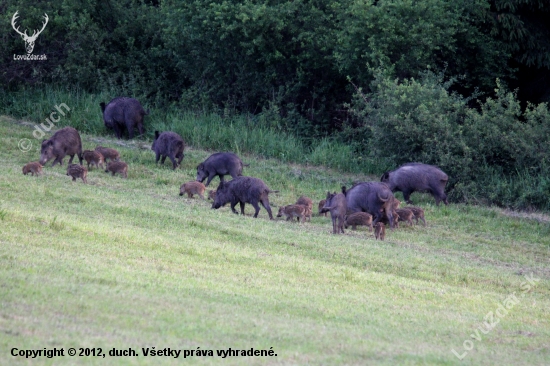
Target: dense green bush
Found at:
496, 153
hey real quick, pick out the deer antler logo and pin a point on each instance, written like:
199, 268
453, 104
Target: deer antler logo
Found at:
29, 40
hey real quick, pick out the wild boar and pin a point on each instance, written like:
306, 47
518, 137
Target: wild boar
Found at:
308, 204
405, 215
191, 188
357, 219
418, 213
33, 167
320, 208
123, 113
77, 171
292, 211
336, 204
93, 157
212, 194
379, 231
306, 201
108, 153
371, 197
384, 219
168, 144
219, 164
417, 177
117, 167
65, 141
243, 190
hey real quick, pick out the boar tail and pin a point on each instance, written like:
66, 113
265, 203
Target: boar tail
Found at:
382, 199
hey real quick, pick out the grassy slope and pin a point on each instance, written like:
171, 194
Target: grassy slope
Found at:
129, 263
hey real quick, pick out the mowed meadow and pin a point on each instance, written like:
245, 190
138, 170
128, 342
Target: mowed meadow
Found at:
128, 263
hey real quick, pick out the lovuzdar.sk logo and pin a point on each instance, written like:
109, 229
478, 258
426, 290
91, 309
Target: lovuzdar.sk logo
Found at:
29, 40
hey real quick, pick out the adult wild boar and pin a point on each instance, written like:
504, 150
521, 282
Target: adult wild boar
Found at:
219, 164
419, 177
371, 197
336, 204
168, 144
243, 190
123, 113
65, 141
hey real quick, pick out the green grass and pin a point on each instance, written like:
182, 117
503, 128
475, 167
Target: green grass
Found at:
124, 264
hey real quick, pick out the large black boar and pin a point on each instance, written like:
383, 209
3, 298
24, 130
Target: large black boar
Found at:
419, 177
336, 204
243, 190
371, 197
219, 164
64, 142
168, 144
123, 113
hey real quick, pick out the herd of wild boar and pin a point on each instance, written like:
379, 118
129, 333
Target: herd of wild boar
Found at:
370, 204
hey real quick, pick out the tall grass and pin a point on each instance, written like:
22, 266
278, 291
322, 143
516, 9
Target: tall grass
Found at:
205, 131
242, 135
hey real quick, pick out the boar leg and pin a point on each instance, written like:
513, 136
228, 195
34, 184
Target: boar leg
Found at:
117, 129
174, 162
333, 224
242, 208
179, 157
210, 177
163, 159
157, 158
265, 203
233, 204
130, 128
407, 197
256, 208
58, 160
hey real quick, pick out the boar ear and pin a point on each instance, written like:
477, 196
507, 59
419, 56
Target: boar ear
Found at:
344, 190
102, 105
385, 176
156, 135
328, 195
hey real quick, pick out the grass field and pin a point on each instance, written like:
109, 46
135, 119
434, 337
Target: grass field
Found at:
128, 264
